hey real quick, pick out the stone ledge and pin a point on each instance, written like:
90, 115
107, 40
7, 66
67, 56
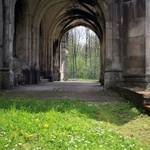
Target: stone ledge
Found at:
139, 97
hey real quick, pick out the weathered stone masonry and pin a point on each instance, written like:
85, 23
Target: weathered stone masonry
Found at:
134, 18
7, 75
1, 39
31, 33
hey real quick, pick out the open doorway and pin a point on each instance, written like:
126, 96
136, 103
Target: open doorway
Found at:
80, 55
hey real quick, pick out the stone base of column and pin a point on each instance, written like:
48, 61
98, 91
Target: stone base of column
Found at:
63, 76
34, 76
101, 79
51, 76
147, 82
6, 79
56, 75
141, 81
26, 73
112, 79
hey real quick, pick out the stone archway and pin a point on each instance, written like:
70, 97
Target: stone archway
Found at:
122, 26
80, 13
77, 47
68, 15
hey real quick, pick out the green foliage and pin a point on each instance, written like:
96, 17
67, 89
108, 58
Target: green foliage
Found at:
60, 125
83, 58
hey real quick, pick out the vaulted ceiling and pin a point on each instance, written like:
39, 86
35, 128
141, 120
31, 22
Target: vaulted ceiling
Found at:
62, 15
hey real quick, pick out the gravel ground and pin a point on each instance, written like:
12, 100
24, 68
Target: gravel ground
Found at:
89, 91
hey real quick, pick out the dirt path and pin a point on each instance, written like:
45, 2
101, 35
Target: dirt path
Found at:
91, 91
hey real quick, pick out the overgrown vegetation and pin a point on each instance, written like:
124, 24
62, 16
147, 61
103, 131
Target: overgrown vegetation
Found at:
75, 125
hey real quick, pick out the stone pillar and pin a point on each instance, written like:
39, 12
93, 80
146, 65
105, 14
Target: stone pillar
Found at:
51, 62
134, 43
34, 71
147, 47
7, 75
45, 60
63, 62
47, 55
102, 59
113, 65
43, 51
26, 39
56, 62
33, 47
1, 40
26, 51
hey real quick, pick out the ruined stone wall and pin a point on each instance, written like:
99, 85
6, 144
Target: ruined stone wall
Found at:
134, 43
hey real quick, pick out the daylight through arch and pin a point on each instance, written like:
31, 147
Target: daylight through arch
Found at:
80, 55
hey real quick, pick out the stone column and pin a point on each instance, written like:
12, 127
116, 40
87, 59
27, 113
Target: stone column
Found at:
26, 38
43, 51
47, 55
147, 47
113, 67
63, 62
51, 62
33, 47
7, 81
134, 43
1, 40
45, 58
26, 51
34, 71
56, 60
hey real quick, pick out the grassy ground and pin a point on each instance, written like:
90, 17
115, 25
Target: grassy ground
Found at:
84, 80
27, 124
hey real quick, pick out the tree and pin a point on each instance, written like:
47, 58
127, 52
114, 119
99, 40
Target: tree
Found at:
84, 54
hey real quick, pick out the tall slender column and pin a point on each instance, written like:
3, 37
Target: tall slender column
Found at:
113, 68
147, 49
35, 78
8, 29
26, 38
26, 51
134, 43
63, 62
1, 40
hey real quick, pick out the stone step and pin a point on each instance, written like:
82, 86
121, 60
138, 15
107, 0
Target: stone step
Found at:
147, 104
146, 101
147, 108
140, 99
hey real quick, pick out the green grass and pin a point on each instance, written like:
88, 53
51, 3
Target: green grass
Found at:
27, 124
84, 80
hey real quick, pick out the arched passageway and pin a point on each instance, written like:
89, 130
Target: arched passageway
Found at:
80, 55
50, 22
31, 32
72, 14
